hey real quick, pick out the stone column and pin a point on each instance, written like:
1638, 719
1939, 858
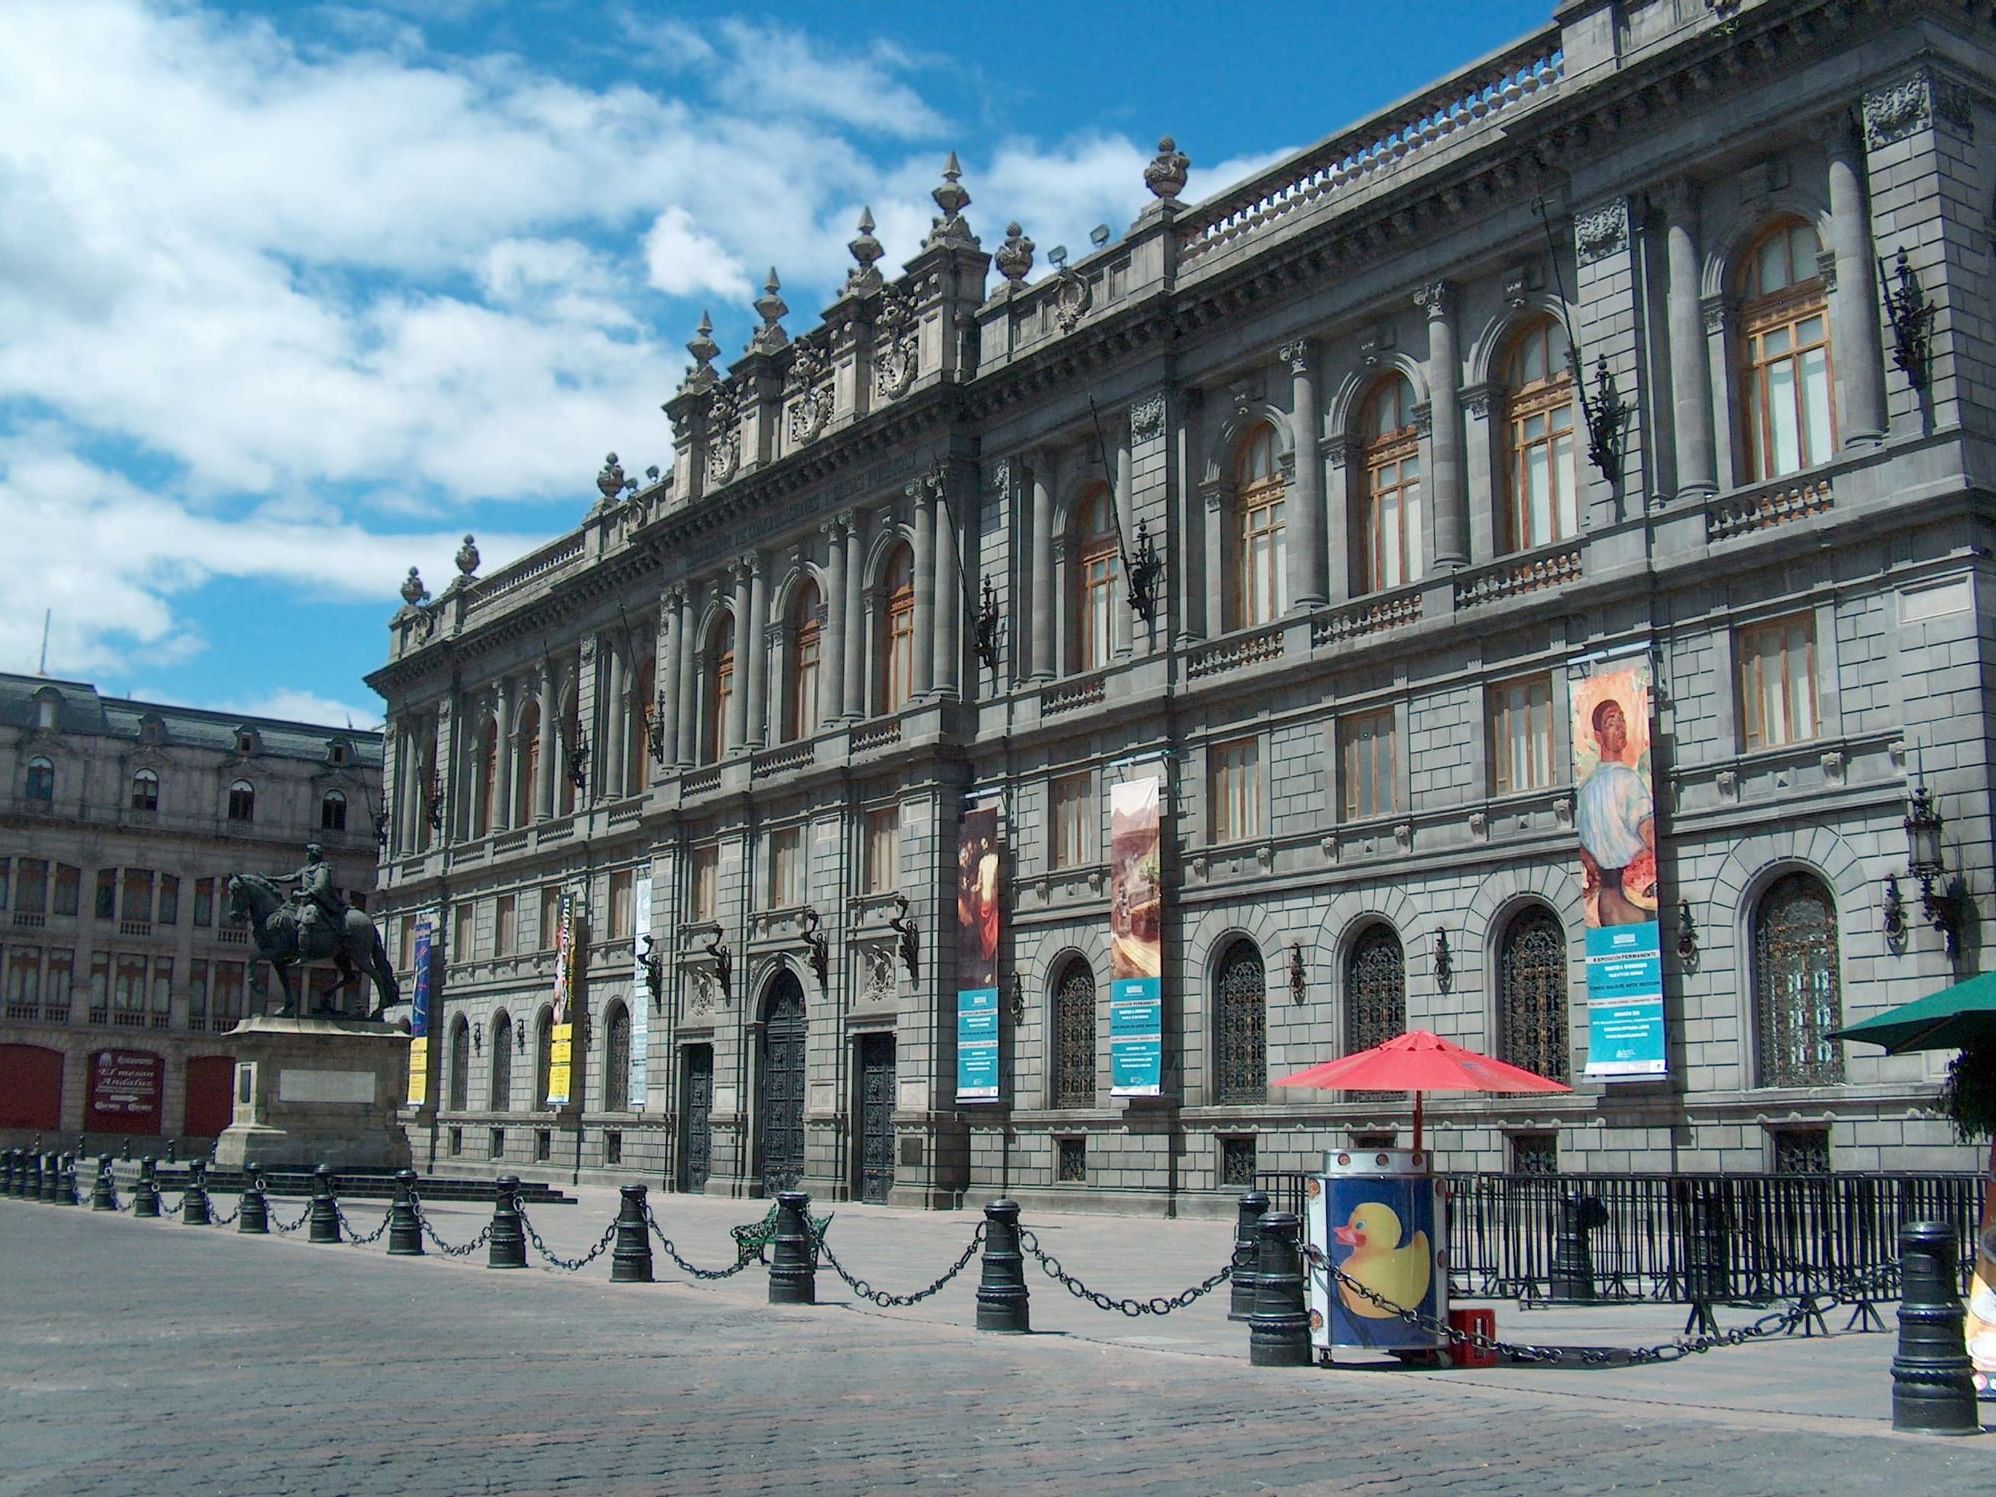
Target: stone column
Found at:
502, 793
671, 668
736, 733
854, 691
616, 721
1040, 605
686, 726
1346, 474
1854, 330
831, 681
1304, 505
544, 767
1445, 467
1121, 618
949, 590
1690, 367
924, 673
756, 646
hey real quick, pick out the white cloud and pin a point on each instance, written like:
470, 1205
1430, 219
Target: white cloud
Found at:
291, 704
775, 69
682, 261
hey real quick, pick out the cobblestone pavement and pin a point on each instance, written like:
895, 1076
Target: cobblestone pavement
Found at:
155, 1357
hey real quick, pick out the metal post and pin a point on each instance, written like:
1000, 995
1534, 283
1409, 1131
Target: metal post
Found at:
1279, 1328
65, 1181
1003, 1302
1247, 1235
1572, 1279
194, 1210
405, 1232
126, 1149
1707, 1277
51, 1173
10, 1172
253, 1211
630, 1259
171, 1156
793, 1271
104, 1191
323, 1221
37, 1176
145, 1195
1933, 1386
509, 1242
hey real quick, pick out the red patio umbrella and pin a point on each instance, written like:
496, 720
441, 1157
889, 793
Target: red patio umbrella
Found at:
1420, 1061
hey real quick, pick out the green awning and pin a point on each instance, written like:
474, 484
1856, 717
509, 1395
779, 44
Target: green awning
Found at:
1946, 1020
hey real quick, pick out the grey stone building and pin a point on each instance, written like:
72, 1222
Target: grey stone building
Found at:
121, 971
1390, 538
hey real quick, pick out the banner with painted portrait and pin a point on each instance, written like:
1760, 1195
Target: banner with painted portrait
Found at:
1614, 822
561, 1036
640, 1006
1136, 940
977, 926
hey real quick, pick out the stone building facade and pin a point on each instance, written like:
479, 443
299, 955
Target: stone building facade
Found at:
1387, 529
120, 969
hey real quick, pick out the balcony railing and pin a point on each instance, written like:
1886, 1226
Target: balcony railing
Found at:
1232, 652
1762, 509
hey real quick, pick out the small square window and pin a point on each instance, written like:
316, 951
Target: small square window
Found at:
1237, 1162
1535, 1153
498, 1143
1073, 1161
613, 1147
1800, 1151
543, 1145
456, 1142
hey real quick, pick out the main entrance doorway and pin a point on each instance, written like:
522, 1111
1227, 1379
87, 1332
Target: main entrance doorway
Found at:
780, 1113
876, 1117
696, 1112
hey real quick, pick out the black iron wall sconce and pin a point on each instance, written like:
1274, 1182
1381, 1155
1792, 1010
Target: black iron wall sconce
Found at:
909, 940
1018, 999
654, 966
723, 963
1299, 980
817, 945
1895, 913
1912, 318
1687, 935
987, 627
1444, 963
1943, 896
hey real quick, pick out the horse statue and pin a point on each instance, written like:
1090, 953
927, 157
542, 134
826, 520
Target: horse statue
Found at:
355, 948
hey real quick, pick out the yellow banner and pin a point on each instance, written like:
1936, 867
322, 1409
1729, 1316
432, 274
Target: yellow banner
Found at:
419, 1070
561, 1040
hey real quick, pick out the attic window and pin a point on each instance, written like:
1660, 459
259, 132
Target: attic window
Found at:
46, 704
340, 752
245, 741
152, 729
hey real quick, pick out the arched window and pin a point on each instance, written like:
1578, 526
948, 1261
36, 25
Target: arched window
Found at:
617, 1060
1261, 583
1785, 371
1375, 990
41, 779
897, 631
807, 662
145, 791
1073, 1048
242, 801
1393, 518
644, 706
543, 1058
332, 812
488, 776
1531, 997
527, 738
460, 1065
1538, 426
1098, 568
1797, 996
502, 1064
1240, 1020
720, 687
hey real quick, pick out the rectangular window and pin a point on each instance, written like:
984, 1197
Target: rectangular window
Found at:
31, 892
496, 1143
138, 895
1234, 770
100, 988
1778, 682
456, 1142
162, 990
883, 850
613, 1146
706, 882
68, 888
1801, 1151
55, 988
543, 1145
786, 868
197, 995
464, 922
408, 962
1367, 753
6, 868
227, 1004
1071, 1167
204, 903
24, 978
550, 918
505, 919
128, 993
1073, 818
1237, 1162
621, 883
169, 899
1535, 1153
107, 894
1521, 755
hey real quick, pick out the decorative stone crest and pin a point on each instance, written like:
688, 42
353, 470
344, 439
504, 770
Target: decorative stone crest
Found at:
1000, 480
1891, 114
467, 559
950, 231
897, 352
1014, 258
1601, 232
866, 250
1165, 176
724, 435
1147, 418
879, 986
1071, 299
813, 406
770, 306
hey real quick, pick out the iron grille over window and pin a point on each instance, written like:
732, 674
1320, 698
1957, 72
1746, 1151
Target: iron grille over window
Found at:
1535, 1153
1375, 990
502, 1066
1801, 1151
1237, 1162
1074, 1038
1242, 1024
460, 1066
1073, 1161
1531, 1006
617, 1061
1797, 996
543, 1059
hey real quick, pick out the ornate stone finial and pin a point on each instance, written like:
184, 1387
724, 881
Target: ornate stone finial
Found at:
950, 196
770, 307
1165, 176
866, 250
1015, 256
467, 558
704, 350
610, 482
413, 591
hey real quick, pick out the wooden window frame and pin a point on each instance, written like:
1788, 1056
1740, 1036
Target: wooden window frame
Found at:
1098, 573
897, 633
1258, 514
786, 867
882, 830
1540, 731
1386, 456
707, 882
1073, 798
1754, 731
1550, 396
1233, 780
807, 663
1351, 749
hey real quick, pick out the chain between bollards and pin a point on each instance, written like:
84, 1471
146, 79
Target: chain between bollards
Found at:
881, 1297
694, 1269
568, 1265
1156, 1305
463, 1250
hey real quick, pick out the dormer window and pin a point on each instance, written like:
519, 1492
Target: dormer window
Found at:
340, 752
245, 741
152, 729
48, 701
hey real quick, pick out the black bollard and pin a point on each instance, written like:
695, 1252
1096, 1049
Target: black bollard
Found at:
1247, 1248
65, 1190
793, 1268
1572, 1278
127, 1150
1933, 1384
10, 1172
1003, 1303
1279, 1329
194, 1209
405, 1231
630, 1259
323, 1220
253, 1211
509, 1243
104, 1190
31, 1182
145, 1195
1707, 1275
52, 1177
171, 1157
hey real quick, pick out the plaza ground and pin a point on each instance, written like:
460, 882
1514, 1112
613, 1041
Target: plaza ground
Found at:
151, 1356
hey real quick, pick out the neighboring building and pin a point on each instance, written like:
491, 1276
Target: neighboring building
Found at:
746, 705
121, 971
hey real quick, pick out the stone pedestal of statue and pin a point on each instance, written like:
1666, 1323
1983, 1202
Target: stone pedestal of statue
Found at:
317, 1091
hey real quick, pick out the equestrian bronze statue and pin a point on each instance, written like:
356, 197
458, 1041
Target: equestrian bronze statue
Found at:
313, 925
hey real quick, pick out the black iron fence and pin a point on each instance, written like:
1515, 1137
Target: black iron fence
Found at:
1783, 1235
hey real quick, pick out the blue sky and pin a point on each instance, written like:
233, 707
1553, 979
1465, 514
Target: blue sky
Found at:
293, 296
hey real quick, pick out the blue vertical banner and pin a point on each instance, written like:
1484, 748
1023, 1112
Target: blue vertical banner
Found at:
1136, 941
419, 1017
977, 923
640, 1009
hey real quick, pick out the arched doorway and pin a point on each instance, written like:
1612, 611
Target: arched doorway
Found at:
780, 1106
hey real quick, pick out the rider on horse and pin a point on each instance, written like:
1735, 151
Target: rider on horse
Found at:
318, 904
